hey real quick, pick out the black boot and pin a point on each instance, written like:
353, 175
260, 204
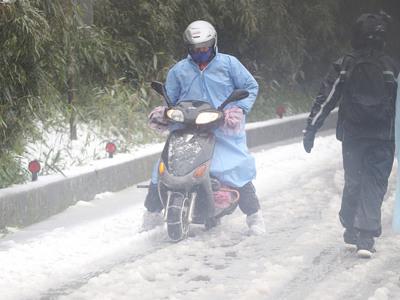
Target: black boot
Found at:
350, 237
152, 217
365, 244
153, 201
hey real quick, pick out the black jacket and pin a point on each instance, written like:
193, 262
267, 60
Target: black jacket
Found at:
331, 92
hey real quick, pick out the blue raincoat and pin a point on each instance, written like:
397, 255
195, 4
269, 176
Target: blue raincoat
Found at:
231, 162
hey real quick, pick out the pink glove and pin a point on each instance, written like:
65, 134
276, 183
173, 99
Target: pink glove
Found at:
222, 197
156, 119
233, 120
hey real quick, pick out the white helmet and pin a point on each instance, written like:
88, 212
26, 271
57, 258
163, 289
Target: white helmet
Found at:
200, 34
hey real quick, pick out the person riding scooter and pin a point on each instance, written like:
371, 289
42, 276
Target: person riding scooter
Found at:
211, 77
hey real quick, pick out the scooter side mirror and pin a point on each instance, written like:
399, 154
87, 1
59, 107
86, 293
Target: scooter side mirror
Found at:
160, 89
235, 96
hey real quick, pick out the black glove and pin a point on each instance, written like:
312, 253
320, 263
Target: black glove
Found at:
308, 139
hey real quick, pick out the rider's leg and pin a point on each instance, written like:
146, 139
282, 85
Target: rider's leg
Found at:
250, 205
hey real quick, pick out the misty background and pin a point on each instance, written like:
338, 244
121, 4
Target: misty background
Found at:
71, 63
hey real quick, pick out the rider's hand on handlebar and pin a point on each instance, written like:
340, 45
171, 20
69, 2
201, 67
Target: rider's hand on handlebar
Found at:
233, 122
156, 119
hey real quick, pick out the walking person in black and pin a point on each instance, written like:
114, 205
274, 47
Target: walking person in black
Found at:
365, 82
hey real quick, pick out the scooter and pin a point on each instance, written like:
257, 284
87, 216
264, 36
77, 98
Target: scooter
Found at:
184, 184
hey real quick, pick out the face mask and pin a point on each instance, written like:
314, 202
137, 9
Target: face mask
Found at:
201, 57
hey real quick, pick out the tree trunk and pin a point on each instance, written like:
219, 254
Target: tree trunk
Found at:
72, 97
86, 7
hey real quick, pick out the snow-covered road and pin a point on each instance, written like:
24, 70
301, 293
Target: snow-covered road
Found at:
94, 249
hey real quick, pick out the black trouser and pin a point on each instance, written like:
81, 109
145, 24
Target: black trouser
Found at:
248, 201
367, 165
153, 201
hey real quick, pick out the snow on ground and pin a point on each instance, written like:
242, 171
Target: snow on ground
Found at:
94, 250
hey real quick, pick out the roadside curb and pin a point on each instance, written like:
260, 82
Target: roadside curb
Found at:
20, 207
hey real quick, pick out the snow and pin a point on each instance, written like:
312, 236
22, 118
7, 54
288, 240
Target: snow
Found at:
74, 158
94, 250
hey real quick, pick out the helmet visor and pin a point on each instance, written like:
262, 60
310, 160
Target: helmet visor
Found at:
206, 44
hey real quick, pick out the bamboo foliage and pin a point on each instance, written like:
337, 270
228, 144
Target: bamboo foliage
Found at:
24, 32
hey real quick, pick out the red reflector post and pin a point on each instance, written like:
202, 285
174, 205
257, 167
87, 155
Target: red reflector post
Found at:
34, 167
281, 111
110, 148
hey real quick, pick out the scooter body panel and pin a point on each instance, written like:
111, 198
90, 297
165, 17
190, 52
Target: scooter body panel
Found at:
183, 154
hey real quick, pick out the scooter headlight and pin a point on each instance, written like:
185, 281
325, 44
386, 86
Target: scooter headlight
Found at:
207, 117
175, 115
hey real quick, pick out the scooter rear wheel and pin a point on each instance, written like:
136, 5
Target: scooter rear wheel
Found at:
177, 220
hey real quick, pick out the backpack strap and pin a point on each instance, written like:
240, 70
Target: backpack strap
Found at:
347, 62
390, 69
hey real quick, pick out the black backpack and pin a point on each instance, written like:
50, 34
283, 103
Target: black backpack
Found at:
366, 96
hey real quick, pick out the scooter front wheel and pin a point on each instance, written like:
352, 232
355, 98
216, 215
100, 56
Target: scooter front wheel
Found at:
178, 214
